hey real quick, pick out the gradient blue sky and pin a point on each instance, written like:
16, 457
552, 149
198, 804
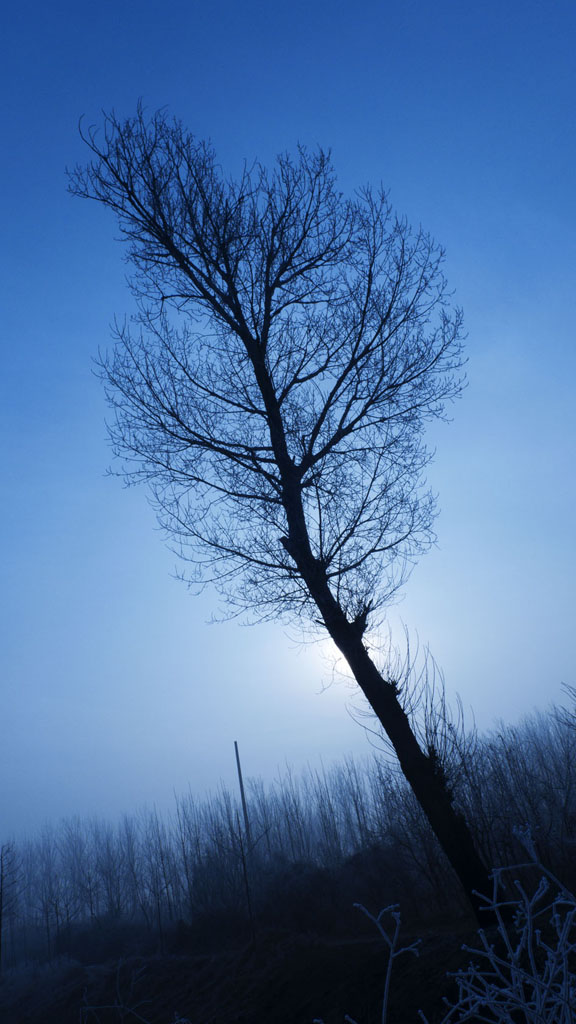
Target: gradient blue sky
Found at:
115, 689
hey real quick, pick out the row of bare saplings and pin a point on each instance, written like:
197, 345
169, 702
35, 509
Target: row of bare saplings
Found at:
316, 844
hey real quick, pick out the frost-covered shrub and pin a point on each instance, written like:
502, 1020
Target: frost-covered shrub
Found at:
526, 973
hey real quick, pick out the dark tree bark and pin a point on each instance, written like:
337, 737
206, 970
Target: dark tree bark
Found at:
289, 347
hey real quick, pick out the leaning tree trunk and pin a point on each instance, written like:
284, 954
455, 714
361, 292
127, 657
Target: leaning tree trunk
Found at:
421, 771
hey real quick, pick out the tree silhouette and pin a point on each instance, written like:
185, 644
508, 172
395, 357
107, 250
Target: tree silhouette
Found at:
273, 389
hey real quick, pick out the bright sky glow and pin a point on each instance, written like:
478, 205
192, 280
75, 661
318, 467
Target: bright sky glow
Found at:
115, 690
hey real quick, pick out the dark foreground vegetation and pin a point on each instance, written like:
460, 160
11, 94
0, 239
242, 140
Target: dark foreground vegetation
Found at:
191, 918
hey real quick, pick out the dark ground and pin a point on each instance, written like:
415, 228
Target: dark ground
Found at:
282, 979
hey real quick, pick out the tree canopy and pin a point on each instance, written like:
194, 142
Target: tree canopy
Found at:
289, 347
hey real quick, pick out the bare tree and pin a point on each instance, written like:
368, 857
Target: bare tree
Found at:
9, 877
273, 388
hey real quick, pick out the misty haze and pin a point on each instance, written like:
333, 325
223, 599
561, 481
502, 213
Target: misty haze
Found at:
289, 706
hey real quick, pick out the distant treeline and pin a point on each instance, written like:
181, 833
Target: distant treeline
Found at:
316, 844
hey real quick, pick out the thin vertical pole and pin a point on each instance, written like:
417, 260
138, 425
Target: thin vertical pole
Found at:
243, 798
245, 849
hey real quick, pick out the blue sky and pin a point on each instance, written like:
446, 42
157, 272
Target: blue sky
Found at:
116, 690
